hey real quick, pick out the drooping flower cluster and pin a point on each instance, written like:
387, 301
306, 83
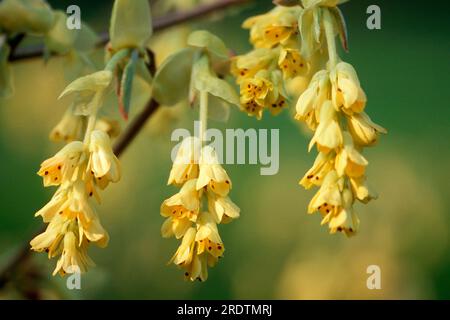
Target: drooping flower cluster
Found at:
276, 58
200, 175
79, 169
333, 107
289, 40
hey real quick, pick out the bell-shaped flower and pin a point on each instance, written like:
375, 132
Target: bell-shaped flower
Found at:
74, 258
273, 28
185, 163
69, 128
310, 101
328, 135
292, 64
248, 65
364, 131
346, 89
63, 166
323, 164
329, 195
185, 252
212, 175
343, 218
222, 209
181, 210
208, 237
103, 163
361, 189
348, 160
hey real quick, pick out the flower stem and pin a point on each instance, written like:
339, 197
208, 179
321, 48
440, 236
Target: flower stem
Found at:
329, 33
203, 115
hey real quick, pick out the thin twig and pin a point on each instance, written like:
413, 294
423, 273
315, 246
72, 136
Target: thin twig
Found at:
160, 23
138, 122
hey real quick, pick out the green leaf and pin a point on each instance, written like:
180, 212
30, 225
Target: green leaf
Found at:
210, 42
143, 71
126, 85
6, 83
131, 24
206, 80
218, 109
171, 81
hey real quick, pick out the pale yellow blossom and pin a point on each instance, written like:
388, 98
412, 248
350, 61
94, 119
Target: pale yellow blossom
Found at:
222, 208
328, 135
349, 161
185, 166
181, 210
63, 166
347, 92
364, 131
212, 174
103, 163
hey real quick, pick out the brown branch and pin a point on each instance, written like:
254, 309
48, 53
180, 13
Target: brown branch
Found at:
138, 122
160, 23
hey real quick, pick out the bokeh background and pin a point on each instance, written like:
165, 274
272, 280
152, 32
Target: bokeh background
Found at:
275, 250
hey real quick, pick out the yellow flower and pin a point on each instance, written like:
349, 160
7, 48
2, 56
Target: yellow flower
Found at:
347, 92
328, 135
343, 218
185, 166
273, 28
201, 247
222, 208
263, 91
185, 251
309, 103
292, 63
74, 257
90, 91
363, 130
323, 164
362, 191
329, 195
63, 166
248, 65
208, 237
50, 239
349, 161
69, 128
70, 203
103, 163
181, 210
110, 126
212, 174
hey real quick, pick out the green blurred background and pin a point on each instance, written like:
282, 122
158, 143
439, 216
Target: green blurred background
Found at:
275, 250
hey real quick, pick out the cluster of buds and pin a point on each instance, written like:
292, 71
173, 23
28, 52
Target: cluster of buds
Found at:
276, 58
79, 170
200, 175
